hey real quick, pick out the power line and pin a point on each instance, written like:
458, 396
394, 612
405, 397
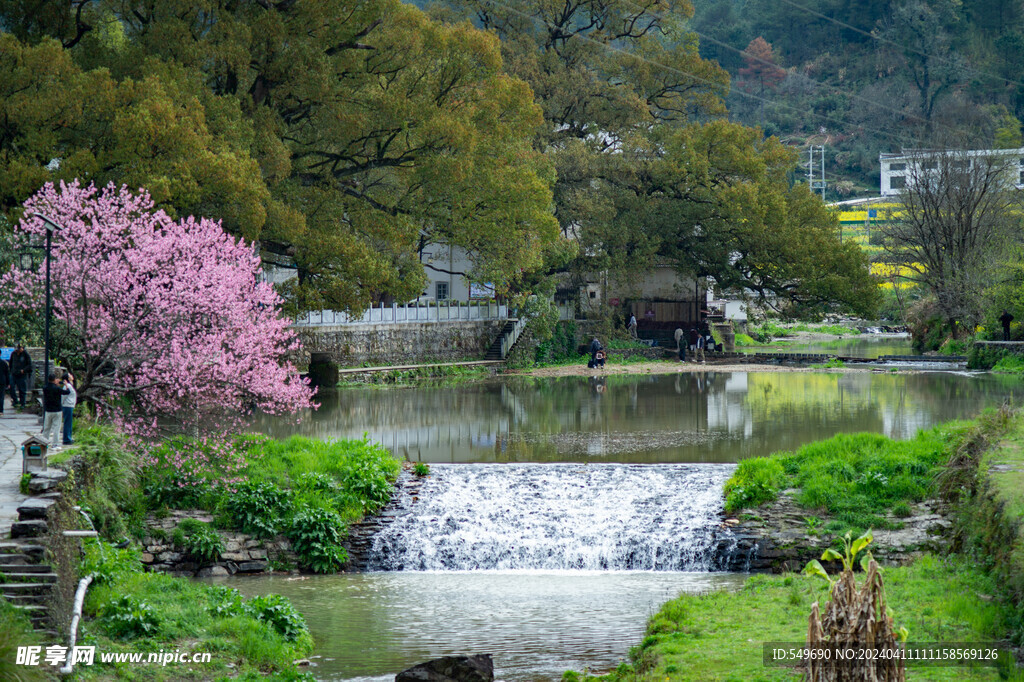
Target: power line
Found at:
880, 39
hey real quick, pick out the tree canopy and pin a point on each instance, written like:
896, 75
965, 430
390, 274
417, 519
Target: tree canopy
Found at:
348, 134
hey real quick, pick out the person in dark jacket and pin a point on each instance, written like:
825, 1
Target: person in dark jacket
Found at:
596, 354
21, 369
53, 413
5, 381
1005, 319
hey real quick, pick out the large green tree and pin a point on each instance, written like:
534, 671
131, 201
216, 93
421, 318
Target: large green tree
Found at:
350, 134
648, 169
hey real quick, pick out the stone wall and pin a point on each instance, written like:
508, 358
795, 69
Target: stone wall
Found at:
242, 553
405, 343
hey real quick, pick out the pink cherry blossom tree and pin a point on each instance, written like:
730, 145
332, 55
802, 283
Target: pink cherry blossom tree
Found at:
168, 319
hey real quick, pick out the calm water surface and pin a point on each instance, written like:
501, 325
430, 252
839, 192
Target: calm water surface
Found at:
684, 417
536, 624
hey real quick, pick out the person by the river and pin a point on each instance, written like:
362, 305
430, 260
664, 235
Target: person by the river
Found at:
596, 354
680, 344
632, 326
5, 380
21, 368
699, 352
53, 411
67, 405
1005, 319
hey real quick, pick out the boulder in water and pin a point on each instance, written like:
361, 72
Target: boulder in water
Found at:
479, 668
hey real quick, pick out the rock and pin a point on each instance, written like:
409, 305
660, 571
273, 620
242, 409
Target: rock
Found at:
258, 554
253, 566
28, 529
147, 558
234, 556
169, 557
479, 668
213, 572
43, 481
34, 508
232, 546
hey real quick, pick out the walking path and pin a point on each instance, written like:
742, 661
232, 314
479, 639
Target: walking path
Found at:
14, 428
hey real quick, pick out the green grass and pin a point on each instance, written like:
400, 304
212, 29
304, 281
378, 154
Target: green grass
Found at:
718, 636
443, 375
855, 478
192, 617
1010, 364
746, 340
833, 363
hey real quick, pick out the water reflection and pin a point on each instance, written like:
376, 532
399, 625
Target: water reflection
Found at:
684, 417
535, 624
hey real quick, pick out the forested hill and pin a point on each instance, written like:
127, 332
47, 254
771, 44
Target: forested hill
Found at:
870, 76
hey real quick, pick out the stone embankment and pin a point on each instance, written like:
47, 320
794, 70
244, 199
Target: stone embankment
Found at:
780, 536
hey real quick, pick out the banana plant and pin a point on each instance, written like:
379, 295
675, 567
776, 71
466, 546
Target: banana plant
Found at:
851, 548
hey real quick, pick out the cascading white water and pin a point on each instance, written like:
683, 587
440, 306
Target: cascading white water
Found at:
558, 516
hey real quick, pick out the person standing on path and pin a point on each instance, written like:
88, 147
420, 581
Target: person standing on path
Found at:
1005, 319
67, 405
680, 344
21, 368
699, 352
632, 326
5, 381
52, 411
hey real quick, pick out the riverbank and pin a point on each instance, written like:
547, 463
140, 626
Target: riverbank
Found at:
968, 588
676, 367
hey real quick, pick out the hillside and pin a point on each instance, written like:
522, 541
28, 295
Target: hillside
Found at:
870, 76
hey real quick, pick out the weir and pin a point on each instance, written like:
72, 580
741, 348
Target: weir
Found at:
468, 517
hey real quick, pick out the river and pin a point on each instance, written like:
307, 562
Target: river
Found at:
561, 512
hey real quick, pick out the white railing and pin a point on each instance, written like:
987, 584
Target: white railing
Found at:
509, 340
444, 311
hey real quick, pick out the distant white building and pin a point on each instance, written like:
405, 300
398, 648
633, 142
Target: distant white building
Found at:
899, 170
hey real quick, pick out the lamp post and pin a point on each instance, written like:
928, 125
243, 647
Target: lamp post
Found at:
50, 227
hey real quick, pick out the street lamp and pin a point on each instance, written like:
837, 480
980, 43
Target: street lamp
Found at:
50, 227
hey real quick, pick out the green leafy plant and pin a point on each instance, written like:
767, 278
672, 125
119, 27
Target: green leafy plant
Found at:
199, 540
128, 618
279, 613
257, 508
851, 548
108, 564
23, 483
421, 469
316, 536
813, 524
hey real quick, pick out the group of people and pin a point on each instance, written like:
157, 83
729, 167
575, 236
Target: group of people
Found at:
59, 395
697, 340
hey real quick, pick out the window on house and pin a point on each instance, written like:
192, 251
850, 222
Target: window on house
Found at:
929, 165
960, 164
897, 166
897, 182
441, 291
593, 294
1020, 180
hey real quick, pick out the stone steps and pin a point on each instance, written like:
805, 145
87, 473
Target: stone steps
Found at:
27, 577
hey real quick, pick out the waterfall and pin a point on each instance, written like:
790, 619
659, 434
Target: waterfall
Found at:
662, 517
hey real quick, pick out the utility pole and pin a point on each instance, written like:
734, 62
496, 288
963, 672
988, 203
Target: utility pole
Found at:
816, 161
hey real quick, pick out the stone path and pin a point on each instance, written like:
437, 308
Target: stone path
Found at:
14, 428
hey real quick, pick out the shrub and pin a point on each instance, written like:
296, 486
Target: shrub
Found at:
316, 536
198, 540
257, 508
421, 469
754, 482
279, 613
109, 564
128, 618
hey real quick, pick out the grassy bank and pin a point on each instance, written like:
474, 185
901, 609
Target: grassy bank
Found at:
856, 479
718, 636
130, 611
443, 375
